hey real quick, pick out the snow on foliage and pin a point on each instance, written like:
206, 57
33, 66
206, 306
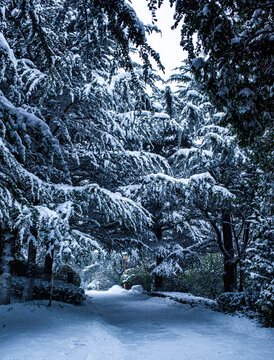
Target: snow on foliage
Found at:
4, 47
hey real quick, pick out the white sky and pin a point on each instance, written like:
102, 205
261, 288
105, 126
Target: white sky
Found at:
166, 44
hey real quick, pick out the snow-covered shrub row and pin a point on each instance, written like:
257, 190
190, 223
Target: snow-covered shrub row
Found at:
261, 306
64, 292
65, 273
189, 299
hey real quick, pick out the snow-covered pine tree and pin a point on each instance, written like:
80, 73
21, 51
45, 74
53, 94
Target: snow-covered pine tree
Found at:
259, 271
50, 117
161, 136
215, 153
230, 49
229, 44
198, 191
258, 266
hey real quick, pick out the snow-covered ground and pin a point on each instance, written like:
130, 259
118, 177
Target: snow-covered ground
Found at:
122, 325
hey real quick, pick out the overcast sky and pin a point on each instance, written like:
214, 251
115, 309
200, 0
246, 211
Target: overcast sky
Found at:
167, 44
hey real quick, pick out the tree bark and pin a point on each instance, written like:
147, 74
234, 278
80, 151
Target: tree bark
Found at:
48, 269
158, 278
29, 285
242, 256
229, 277
48, 264
5, 277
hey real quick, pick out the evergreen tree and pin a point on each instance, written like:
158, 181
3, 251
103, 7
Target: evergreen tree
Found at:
52, 123
230, 46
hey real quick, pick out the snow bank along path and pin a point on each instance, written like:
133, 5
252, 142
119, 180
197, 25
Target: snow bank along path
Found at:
122, 325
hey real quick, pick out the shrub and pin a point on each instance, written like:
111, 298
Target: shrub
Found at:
64, 292
259, 272
204, 280
207, 280
176, 283
230, 302
265, 303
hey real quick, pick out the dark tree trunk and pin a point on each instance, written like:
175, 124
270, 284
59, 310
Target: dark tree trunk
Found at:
169, 101
158, 278
242, 255
48, 264
7, 246
229, 276
29, 285
48, 270
241, 279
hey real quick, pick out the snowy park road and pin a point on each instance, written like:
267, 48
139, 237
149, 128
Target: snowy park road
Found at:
161, 329
121, 325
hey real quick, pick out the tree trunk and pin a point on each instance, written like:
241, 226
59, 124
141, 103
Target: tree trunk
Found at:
48, 264
48, 270
229, 276
158, 278
242, 256
5, 277
29, 285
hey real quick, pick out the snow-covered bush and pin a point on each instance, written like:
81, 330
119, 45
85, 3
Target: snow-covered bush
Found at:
259, 271
67, 293
265, 303
230, 302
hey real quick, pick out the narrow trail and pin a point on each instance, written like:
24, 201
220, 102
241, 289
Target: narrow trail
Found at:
121, 325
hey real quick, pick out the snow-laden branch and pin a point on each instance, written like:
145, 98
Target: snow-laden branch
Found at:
113, 206
30, 120
5, 48
201, 185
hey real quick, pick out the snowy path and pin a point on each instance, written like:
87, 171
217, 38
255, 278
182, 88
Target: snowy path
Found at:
126, 326
156, 328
